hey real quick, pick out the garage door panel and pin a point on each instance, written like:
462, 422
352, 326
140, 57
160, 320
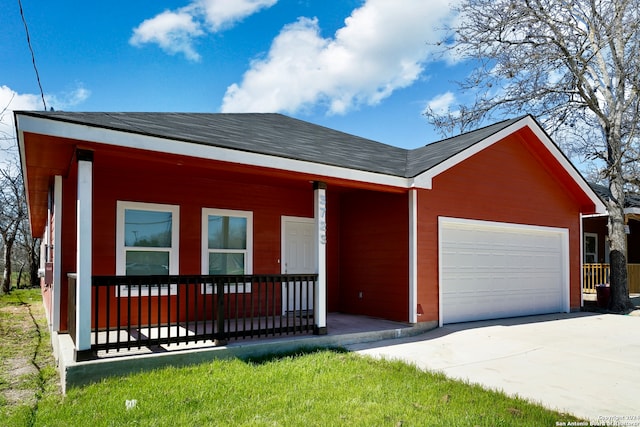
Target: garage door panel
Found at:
490, 270
495, 304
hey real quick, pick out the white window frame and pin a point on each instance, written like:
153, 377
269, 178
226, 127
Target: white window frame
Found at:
248, 259
121, 249
595, 254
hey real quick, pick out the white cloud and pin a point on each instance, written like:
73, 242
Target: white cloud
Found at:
172, 31
220, 14
382, 47
440, 104
11, 101
70, 99
175, 31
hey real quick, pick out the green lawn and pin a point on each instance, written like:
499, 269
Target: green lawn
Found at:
321, 388
27, 368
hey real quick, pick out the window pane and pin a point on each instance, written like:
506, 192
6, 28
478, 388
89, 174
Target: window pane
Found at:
590, 244
141, 263
227, 232
221, 263
147, 228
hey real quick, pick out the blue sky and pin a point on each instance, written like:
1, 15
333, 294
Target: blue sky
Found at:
365, 67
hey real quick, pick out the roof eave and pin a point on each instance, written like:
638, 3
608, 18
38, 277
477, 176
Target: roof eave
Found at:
113, 137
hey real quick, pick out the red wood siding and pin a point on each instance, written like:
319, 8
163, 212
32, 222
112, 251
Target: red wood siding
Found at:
375, 254
503, 183
333, 249
120, 179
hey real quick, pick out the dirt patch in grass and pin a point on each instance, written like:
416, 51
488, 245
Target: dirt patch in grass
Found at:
28, 367
20, 374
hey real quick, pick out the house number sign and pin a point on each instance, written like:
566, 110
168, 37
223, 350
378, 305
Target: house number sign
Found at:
323, 218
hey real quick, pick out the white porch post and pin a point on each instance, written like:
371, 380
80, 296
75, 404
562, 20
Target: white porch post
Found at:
45, 258
581, 263
413, 256
320, 297
57, 252
84, 254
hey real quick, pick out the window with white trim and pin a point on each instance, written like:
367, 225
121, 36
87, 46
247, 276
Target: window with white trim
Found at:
147, 237
590, 248
227, 244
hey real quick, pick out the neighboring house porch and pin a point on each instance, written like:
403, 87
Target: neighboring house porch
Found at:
596, 245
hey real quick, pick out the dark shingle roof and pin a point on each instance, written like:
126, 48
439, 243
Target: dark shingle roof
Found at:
424, 158
282, 136
630, 201
264, 133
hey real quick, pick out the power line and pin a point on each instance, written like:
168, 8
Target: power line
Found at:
33, 56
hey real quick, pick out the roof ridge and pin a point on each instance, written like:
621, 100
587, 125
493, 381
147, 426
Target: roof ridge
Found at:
483, 128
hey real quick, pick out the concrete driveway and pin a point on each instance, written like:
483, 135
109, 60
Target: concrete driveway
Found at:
581, 363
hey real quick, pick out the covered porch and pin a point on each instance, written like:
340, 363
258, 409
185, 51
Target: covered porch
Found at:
328, 232
345, 268
343, 329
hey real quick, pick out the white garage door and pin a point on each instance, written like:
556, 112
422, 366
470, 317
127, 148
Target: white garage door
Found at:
493, 270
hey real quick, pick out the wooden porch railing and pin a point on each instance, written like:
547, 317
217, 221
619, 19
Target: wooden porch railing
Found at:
147, 311
633, 271
595, 274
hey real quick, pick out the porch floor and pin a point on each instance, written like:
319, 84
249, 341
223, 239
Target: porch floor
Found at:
342, 330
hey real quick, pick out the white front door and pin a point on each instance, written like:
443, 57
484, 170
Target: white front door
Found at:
298, 257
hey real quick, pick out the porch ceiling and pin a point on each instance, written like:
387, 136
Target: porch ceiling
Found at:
43, 157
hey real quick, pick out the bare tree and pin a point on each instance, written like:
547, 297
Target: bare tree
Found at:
29, 252
13, 213
574, 64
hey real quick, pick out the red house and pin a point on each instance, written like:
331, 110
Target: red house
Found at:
222, 225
